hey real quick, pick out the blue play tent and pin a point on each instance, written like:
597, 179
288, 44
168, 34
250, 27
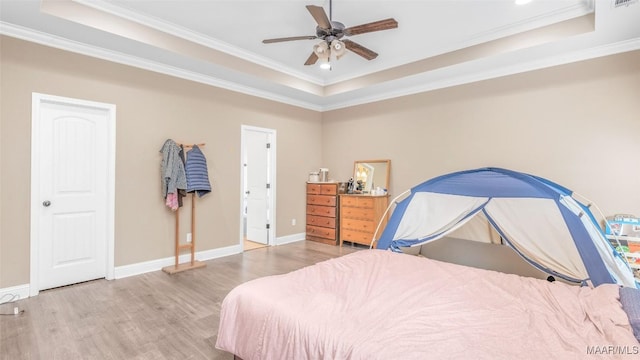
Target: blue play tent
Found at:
537, 218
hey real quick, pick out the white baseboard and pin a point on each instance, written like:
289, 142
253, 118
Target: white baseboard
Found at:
217, 253
22, 292
290, 238
158, 264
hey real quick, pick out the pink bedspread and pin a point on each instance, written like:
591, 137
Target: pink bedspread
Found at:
376, 304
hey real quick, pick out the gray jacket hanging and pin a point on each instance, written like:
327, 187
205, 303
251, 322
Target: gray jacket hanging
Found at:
172, 169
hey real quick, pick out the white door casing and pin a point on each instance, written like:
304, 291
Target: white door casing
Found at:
258, 158
72, 191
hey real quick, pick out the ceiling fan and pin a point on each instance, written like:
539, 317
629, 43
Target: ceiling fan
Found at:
332, 34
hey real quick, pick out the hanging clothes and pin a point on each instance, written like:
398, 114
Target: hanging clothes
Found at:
172, 169
172, 201
181, 192
197, 173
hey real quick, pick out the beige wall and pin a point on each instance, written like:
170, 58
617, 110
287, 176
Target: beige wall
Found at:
577, 124
150, 108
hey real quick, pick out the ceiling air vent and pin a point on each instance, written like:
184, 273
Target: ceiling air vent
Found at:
619, 3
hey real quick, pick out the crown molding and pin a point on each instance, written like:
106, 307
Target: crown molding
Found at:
565, 58
563, 14
96, 52
559, 15
124, 59
197, 38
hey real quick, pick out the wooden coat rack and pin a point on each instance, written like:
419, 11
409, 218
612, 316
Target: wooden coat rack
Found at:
191, 246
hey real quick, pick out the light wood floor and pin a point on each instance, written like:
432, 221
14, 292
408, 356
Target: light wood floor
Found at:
149, 316
252, 245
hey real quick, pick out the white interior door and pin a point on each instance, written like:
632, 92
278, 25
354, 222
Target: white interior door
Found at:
258, 184
71, 192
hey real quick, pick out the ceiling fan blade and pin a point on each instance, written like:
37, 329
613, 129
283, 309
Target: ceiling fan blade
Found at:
385, 24
311, 59
269, 41
319, 16
360, 50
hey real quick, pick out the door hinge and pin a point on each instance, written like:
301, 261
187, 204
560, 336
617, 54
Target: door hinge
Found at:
268, 145
268, 226
268, 186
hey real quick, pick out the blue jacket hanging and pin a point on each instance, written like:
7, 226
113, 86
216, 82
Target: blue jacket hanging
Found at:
197, 175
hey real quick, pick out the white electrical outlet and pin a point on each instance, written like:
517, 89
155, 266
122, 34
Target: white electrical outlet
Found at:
188, 237
293, 222
16, 311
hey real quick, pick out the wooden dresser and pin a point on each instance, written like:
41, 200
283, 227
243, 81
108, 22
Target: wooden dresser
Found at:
322, 212
359, 217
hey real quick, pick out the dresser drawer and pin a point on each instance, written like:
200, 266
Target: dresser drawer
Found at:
321, 210
358, 213
322, 232
329, 189
359, 225
321, 221
325, 200
314, 189
357, 201
322, 189
355, 236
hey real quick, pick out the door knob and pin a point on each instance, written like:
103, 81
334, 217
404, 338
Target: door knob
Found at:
46, 203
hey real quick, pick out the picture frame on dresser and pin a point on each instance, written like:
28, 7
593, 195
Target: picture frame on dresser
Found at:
361, 212
372, 175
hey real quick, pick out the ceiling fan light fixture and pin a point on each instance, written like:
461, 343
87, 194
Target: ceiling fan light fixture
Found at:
330, 32
322, 50
338, 48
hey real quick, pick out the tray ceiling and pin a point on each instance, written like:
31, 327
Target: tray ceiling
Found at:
437, 43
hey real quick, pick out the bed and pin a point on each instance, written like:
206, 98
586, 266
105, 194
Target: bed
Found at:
375, 304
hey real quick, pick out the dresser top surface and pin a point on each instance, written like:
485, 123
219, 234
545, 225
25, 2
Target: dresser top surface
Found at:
365, 195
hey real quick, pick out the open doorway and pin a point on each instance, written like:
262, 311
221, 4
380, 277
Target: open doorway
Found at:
258, 187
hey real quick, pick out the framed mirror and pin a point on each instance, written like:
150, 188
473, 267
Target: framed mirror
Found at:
371, 174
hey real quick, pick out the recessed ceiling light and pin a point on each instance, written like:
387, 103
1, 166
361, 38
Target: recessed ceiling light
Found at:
325, 66
522, 2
